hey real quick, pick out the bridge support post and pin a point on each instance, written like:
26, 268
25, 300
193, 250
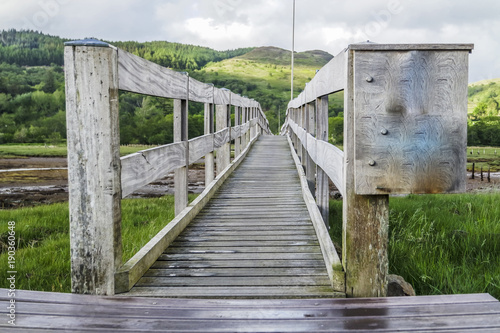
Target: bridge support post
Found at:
310, 165
365, 217
237, 122
94, 167
209, 158
223, 157
322, 188
181, 135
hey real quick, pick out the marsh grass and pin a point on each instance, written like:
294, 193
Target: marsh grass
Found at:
442, 244
42, 235
59, 150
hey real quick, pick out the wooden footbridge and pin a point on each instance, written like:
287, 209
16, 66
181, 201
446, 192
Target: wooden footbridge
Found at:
252, 253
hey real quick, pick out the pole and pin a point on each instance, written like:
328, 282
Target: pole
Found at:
293, 47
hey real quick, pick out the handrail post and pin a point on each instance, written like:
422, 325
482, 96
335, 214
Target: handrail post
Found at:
310, 165
94, 166
237, 122
181, 135
322, 188
223, 156
209, 129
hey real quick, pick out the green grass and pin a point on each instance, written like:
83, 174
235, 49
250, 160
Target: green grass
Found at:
486, 158
42, 236
442, 244
41, 150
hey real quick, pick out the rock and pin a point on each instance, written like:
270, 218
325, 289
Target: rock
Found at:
397, 286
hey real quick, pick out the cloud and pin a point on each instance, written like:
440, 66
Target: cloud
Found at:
228, 24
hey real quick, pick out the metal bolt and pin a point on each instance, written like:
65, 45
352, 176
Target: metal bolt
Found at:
371, 163
369, 79
384, 132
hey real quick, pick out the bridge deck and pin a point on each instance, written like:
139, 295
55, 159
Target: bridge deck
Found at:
44, 312
254, 239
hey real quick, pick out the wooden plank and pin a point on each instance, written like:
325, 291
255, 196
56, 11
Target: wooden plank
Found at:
93, 167
146, 166
236, 256
239, 263
411, 124
236, 272
200, 92
200, 146
222, 96
186, 249
133, 269
221, 138
330, 256
237, 291
141, 76
243, 281
243, 243
411, 47
329, 79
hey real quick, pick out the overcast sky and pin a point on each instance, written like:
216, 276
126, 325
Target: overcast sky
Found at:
328, 25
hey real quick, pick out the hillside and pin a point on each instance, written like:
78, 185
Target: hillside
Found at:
484, 98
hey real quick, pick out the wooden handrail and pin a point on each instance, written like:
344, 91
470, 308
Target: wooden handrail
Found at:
405, 121
98, 178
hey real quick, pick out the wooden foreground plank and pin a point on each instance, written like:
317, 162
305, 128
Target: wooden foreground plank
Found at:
43, 311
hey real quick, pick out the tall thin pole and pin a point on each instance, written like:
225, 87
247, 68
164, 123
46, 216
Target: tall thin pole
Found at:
293, 48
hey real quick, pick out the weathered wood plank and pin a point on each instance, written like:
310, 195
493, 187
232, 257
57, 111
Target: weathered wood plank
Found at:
222, 96
235, 272
200, 146
133, 269
93, 167
200, 92
236, 256
237, 291
410, 125
243, 281
221, 137
141, 76
209, 130
185, 248
239, 263
146, 166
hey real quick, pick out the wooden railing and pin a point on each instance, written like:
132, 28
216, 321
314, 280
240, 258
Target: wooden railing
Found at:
405, 123
99, 178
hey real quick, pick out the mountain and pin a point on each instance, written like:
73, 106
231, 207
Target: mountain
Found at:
484, 98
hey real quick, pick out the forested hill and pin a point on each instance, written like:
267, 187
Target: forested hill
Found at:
30, 48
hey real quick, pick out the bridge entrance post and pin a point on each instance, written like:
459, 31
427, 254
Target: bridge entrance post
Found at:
94, 167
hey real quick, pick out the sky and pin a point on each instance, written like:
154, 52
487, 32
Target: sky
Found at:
329, 25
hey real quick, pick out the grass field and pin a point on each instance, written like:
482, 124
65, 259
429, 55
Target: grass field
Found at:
41, 150
42, 237
442, 244
486, 157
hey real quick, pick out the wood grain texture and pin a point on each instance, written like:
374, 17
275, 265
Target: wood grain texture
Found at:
200, 92
141, 76
222, 96
181, 135
221, 138
322, 184
146, 166
411, 121
209, 129
93, 167
200, 146
411, 47
365, 218
134, 269
258, 219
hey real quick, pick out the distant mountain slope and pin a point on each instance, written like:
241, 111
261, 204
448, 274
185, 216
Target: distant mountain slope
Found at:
31, 48
484, 98
277, 56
